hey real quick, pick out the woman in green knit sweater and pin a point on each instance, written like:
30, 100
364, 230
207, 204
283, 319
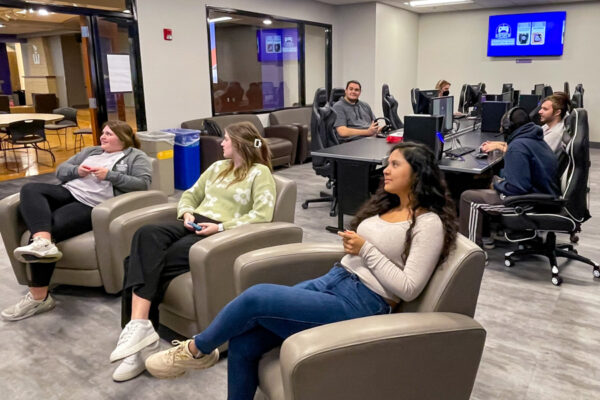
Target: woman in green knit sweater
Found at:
232, 192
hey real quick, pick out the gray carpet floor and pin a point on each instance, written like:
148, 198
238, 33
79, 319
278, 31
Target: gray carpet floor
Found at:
542, 342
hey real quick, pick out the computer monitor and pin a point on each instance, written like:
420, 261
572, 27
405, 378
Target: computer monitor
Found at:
491, 115
443, 106
507, 87
547, 91
515, 98
492, 97
538, 89
424, 100
529, 101
425, 129
507, 96
566, 89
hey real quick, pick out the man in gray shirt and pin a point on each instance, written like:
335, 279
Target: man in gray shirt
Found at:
354, 117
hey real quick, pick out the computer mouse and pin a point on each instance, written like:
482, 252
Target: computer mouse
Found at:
481, 155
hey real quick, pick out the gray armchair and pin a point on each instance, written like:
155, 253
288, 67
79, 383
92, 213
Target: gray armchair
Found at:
299, 117
429, 348
86, 258
193, 299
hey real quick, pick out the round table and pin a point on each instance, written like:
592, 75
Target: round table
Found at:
6, 119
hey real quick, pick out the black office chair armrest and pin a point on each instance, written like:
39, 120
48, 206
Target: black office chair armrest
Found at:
535, 200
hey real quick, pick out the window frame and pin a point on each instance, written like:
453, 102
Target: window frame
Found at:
301, 60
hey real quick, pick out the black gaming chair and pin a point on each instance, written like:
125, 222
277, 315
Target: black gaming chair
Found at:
534, 214
390, 107
336, 94
414, 95
323, 136
566, 89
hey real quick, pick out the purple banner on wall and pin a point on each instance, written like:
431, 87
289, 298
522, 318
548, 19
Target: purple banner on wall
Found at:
4, 70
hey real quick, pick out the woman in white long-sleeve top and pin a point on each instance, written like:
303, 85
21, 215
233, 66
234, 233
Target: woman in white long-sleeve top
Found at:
396, 241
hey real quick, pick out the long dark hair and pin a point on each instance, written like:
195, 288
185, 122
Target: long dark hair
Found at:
428, 191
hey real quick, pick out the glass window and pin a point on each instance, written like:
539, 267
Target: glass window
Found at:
257, 61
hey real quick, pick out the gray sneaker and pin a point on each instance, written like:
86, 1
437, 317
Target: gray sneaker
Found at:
39, 250
177, 360
26, 307
136, 335
134, 365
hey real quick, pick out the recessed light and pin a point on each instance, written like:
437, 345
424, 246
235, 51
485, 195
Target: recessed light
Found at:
267, 22
43, 11
2, 25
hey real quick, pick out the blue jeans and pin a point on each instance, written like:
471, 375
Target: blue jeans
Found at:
260, 318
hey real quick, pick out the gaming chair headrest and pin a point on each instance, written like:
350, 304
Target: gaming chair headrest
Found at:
513, 119
320, 97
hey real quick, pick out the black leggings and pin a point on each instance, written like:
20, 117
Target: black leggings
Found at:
51, 208
159, 253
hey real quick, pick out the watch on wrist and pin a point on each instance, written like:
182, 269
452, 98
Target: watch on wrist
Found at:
221, 228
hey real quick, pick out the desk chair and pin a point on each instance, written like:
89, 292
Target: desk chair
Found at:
536, 214
414, 96
323, 136
69, 121
390, 107
336, 95
427, 349
86, 258
27, 134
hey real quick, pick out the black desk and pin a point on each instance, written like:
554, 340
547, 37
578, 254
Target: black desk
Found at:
355, 160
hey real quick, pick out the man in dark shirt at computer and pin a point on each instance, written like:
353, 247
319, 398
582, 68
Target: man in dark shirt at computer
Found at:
530, 166
354, 117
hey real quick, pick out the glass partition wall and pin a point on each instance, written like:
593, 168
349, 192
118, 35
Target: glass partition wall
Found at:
263, 63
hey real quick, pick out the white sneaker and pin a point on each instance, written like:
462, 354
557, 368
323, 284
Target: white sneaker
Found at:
39, 250
177, 360
26, 307
136, 335
134, 365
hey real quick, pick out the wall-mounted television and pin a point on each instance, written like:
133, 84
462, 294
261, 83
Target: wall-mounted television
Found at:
277, 44
534, 34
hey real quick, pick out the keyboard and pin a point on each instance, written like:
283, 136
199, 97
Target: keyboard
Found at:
460, 151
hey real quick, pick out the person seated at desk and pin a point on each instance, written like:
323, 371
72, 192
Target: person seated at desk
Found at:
443, 88
553, 110
56, 212
530, 166
354, 117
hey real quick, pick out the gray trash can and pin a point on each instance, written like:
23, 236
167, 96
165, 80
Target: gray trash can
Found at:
159, 145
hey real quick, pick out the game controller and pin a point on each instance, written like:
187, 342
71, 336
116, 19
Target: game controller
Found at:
195, 226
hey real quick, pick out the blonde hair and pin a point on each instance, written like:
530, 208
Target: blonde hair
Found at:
250, 146
441, 83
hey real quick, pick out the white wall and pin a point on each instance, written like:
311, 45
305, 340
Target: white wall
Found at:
396, 55
354, 48
176, 73
56, 54
452, 46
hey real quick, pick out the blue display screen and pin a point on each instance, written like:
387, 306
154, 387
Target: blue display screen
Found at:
535, 34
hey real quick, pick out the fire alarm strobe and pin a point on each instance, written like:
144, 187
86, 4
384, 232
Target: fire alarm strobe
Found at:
168, 34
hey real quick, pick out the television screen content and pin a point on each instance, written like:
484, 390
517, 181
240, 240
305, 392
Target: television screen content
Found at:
277, 44
535, 34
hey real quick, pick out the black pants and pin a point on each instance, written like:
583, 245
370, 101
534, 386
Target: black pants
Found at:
51, 208
159, 253
475, 207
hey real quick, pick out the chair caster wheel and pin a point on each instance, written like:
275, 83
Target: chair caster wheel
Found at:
521, 247
508, 262
574, 238
305, 205
556, 280
596, 272
332, 213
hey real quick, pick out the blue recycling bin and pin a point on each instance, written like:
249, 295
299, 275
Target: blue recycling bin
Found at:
186, 157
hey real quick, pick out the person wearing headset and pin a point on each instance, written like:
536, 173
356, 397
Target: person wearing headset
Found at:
355, 119
530, 166
552, 112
